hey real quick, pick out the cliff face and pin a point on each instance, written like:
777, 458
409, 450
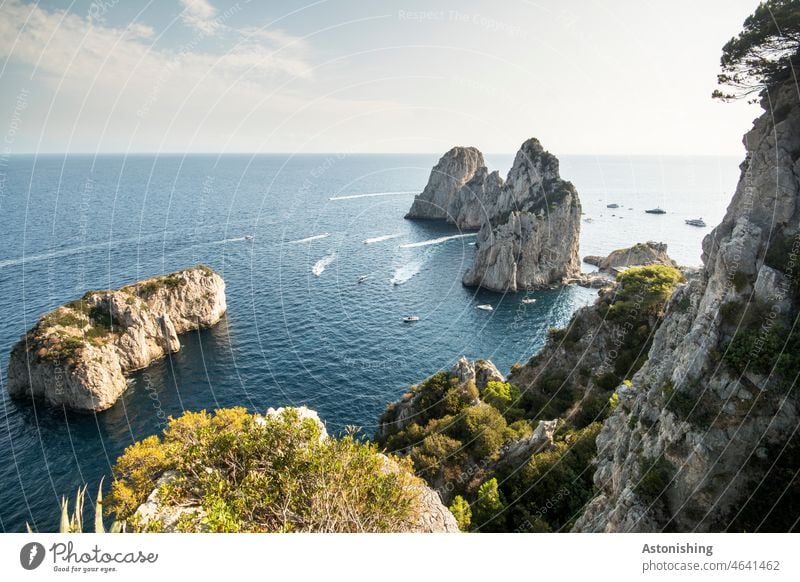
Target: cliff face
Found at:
78, 354
531, 236
455, 189
712, 411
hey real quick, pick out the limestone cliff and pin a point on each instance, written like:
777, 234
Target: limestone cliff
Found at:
531, 236
77, 355
455, 189
703, 438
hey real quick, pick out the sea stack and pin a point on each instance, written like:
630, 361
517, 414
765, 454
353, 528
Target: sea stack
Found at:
77, 355
530, 239
460, 190
529, 224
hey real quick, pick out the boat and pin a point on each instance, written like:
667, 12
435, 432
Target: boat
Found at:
588, 219
410, 318
248, 237
528, 300
696, 222
485, 307
363, 278
656, 210
612, 205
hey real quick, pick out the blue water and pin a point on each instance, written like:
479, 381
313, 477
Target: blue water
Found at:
291, 336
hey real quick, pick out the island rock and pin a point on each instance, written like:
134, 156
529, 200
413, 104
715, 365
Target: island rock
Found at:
77, 355
530, 239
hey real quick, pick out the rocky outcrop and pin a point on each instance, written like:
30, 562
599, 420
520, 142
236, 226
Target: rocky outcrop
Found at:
77, 355
698, 437
649, 253
529, 224
456, 189
156, 515
401, 413
530, 237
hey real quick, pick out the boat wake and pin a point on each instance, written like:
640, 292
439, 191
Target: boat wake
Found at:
320, 266
371, 195
406, 272
227, 240
309, 238
377, 239
436, 241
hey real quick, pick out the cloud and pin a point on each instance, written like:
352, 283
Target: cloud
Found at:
200, 15
70, 47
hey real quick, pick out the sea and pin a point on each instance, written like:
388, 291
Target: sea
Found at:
292, 235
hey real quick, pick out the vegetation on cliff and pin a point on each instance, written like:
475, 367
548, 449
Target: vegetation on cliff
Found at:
475, 446
247, 473
764, 54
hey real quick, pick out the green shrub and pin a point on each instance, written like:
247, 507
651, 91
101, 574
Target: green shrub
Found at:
695, 406
435, 451
267, 475
462, 512
482, 429
548, 493
655, 476
489, 506
644, 289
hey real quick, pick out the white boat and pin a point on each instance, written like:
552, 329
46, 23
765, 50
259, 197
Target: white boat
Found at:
485, 307
695, 222
528, 300
410, 318
363, 278
248, 237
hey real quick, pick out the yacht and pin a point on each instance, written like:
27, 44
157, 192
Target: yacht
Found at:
485, 307
695, 222
411, 318
528, 300
248, 237
656, 210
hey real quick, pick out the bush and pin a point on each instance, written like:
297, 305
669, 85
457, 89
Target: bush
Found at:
656, 475
435, 451
644, 289
482, 429
697, 407
489, 506
270, 474
548, 493
462, 512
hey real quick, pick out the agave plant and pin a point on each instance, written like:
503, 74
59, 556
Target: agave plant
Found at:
74, 523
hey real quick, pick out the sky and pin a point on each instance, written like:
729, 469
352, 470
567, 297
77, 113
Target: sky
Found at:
620, 77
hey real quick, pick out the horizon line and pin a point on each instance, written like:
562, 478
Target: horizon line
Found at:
345, 154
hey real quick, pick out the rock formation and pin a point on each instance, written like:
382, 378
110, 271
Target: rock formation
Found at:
401, 413
77, 355
529, 225
456, 189
698, 439
649, 253
531, 237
